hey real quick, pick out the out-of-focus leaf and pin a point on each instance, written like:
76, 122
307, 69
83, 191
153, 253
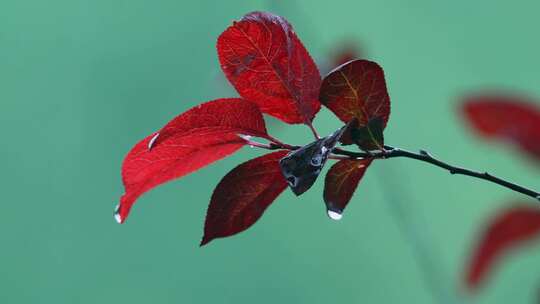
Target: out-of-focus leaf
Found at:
267, 64
243, 195
302, 167
342, 52
340, 183
346, 52
506, 231
192, 140
511, 119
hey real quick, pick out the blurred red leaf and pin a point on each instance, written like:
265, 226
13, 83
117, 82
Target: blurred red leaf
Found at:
345, 52
507, 230
189, 142
243, 195
506, 118
356, 89
267, 64
342, 52
340, 183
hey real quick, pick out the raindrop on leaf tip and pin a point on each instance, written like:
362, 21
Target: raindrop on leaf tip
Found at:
117, 216
334, 215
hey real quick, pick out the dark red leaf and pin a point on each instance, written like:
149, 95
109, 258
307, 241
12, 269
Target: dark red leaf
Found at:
356, 89
505, 231
341, 182
506, 118
267, 64
192, 140
369, 137
243, 195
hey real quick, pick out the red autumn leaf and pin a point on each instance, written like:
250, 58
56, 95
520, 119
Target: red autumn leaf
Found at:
356, 89
192, 140
231, 115
341, 182
267, 64
506, 118
243, 195
506, 230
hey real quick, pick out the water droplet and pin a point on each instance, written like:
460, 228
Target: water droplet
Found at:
316, 160
251, 146
152, 141
334, 215
117, 216
245, 137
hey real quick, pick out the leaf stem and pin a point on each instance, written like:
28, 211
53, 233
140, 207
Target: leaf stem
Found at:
258, 144
310, 125
424, 156
278, 144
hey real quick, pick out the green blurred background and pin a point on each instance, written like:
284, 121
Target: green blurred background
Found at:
82, 81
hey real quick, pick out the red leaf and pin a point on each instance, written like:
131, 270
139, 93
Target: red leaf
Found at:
267, 64
506, 118
231, 115
341, 182
356, 90
243, 195
192, 140
506, 230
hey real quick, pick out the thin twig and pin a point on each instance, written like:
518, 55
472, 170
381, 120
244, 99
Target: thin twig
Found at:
278, 144
310, 125
259, 145
391, 152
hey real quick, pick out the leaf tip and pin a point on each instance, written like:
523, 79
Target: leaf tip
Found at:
205, 240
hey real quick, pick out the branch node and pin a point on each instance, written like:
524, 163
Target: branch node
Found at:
425, 153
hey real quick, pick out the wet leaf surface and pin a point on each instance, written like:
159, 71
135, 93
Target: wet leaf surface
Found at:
302, 167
